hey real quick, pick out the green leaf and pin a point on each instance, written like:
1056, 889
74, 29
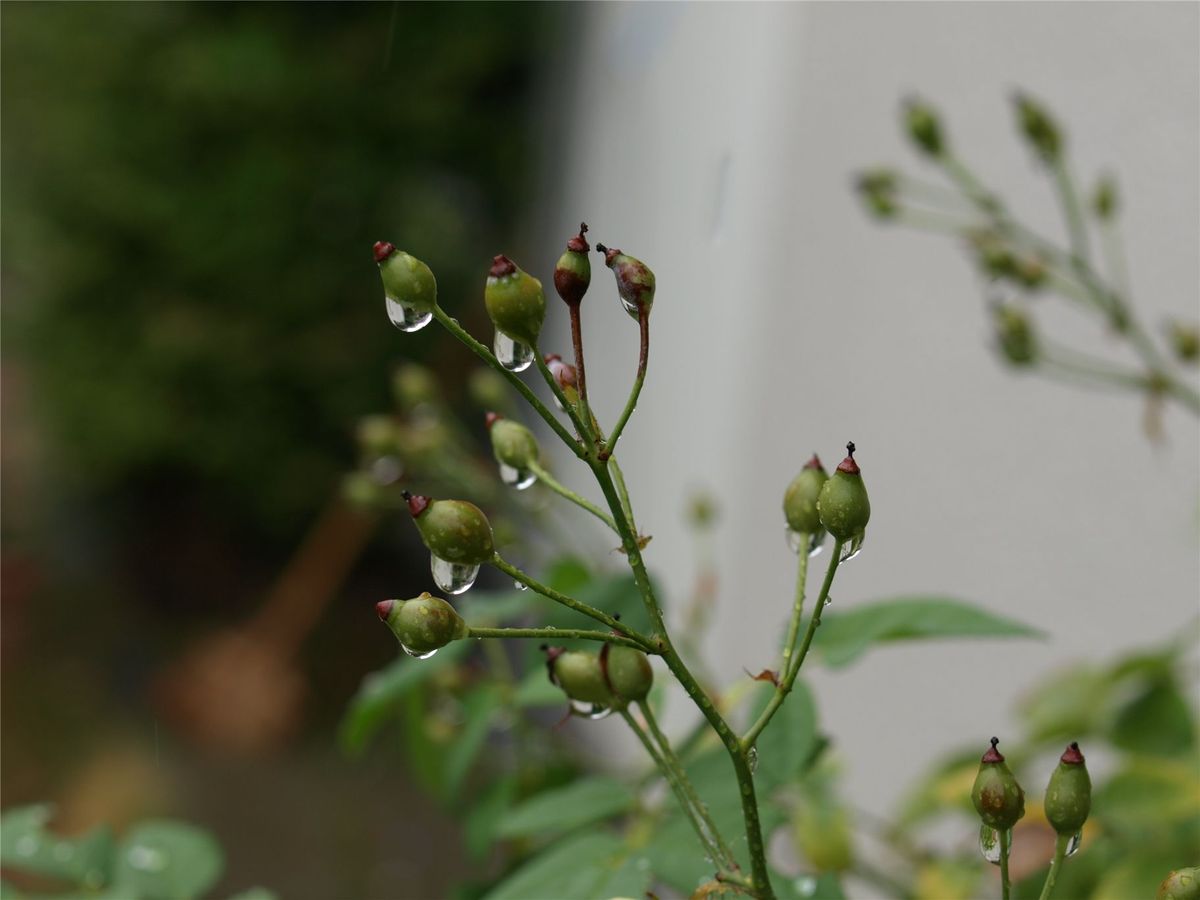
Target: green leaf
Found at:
479, 708
562, 809
591, 865
844, 636
1149, 793
255, 893
945, 786
381, 693
1070, 705
788, 741
537, 690
25, 844
1136, 877
1157, 722
167, 860
485, 815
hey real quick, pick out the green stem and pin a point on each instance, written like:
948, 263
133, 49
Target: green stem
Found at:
549, 481
566, 634
788, 677
631, 404
451, 325
1068, 198
1005, 887
571, 603
1056, 864
581, 427
672, 761
622, 492
929, 220
662, 643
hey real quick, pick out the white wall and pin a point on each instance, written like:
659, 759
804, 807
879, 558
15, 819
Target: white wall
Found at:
717, 143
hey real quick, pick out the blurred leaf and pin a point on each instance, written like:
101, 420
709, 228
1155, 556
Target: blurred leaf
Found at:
1149, 793
485, 815
381, 693
255, 893
25, 844
845, 636
167, 860
808, 887
787, 743
944, 787
536, 689
1069, 705
565, 808
425, 757
948, 879
479, 708
1137, 876
592, 865
1157, 722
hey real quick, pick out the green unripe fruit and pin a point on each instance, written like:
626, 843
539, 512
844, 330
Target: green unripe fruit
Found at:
514, 301
512, 443
627, 672
635, 281
800, 498
998, 798
924, 127
423, 624
405, 278
843, 505
1038, 127
453, 530
1182, 884
1015, 335
1069, 793
1185, 341
573, 273
579, 674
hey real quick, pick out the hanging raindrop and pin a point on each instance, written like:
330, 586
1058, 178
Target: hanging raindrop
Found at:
405, 317
513, 355
1074, 842
453, 578
853, 547
520, 585
989, 844
590, 711
417, 654
805, 885
516, 478
752, 759
816, 542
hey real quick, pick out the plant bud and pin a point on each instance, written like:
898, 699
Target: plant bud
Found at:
1069, 793
579, 674
635, 281
878, 190
1182, 884
992, 254
1104, 200
842, 505
573, 273
1038, 127
414, 385
1185, 341
453, 530
378, 435
423, 624
998, 798
406, 279
515, 301
564, 373
1015, 336
924, 128
626, 671
512, 443
800, 498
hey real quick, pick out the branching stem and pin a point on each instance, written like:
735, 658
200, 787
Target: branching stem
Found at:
643, 360
549, 481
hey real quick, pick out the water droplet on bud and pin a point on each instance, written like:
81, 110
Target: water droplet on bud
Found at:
816, 542
989, 844
417, 654
591, 711
520, 586
405, 317
513, 355
516, 478
853, 547
1074, 842
453, 578
752, 759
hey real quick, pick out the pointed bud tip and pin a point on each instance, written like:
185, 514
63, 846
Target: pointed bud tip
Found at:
501, 266
1072, 756
578, 244
383, 249
848, 465
993, 755
610, 253
384, 609
814, 463
416, 503
490, 419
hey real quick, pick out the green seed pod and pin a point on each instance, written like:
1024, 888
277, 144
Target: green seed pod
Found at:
1104, 200
512, 443
579, 674
924, 128
405, 278
414, 385
1069, 793
515, 301
843, 505
998, 798
626, 671
1038, 127
573, 273
1182, 884
1185, 341
423, 624
453, 530
800, 498
635, 281
878, 191
1015, 336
